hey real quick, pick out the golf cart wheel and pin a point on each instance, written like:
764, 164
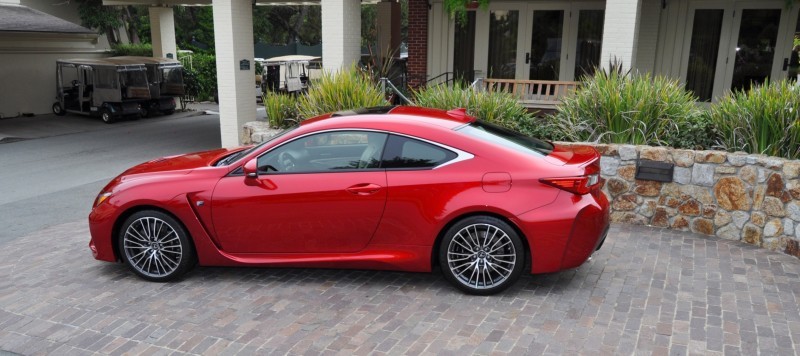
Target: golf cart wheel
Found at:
105, 114
58, 110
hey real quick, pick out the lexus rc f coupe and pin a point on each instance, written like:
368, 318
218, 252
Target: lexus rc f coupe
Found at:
387, 188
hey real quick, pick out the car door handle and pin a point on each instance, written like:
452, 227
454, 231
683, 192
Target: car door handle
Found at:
364, 189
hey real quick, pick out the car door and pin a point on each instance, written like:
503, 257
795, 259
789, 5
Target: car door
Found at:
319, 193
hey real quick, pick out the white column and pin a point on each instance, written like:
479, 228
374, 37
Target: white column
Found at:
233, 35
620, 32
162, 32
341, 33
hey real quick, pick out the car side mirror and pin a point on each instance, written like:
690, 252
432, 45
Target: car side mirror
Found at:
251, 168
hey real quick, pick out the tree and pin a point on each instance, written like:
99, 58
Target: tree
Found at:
284, 24
108, 20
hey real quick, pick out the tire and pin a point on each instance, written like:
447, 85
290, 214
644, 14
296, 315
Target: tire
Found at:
155, 246
169, 112
481, 255
144, 112
58, 110
105, 115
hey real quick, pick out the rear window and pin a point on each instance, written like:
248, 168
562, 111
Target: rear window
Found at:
507, 138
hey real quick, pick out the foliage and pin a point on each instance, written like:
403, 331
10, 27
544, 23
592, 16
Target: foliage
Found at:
764, 120
281, 109
617, 107
343, 90
696, 132
109, 19
201, 79
496, 107
194, 28
285, 24
132, 49
458, 8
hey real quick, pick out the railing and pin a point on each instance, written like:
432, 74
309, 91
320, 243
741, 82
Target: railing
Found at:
543, 94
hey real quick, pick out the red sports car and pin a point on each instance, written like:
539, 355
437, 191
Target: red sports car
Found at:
395, 188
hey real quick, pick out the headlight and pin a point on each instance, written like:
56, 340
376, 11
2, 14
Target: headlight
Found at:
101, 198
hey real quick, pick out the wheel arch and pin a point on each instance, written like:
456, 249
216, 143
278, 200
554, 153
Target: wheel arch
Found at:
456, 219
133, 210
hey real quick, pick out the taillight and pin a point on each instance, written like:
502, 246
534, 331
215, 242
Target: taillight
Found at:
580, 185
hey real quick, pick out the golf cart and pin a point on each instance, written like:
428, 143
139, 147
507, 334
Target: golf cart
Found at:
98, 87
165, 78
288, 74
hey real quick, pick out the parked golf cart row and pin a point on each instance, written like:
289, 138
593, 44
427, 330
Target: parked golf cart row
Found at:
117, 87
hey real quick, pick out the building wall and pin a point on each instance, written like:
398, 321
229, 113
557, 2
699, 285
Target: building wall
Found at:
28, 82
417, 41
28, 60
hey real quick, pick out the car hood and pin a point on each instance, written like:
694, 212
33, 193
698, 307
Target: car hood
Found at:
181, 162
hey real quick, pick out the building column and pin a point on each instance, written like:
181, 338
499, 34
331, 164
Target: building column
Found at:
620, 32
341, 33
388, 28
417, 42
233, 36
162, 32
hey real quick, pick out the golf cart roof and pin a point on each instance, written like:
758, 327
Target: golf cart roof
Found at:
291, 58
102, 62
163, 62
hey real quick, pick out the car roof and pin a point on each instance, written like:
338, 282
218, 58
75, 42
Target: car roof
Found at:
449, 119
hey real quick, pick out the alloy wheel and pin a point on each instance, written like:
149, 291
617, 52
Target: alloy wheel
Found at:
153, 247
481, 256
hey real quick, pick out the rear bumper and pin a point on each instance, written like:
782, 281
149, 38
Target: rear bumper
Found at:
564, 234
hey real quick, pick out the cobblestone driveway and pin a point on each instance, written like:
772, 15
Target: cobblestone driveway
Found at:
647, 291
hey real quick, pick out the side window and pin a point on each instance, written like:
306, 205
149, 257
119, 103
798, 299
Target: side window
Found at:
323, 152
404, 152
106, 78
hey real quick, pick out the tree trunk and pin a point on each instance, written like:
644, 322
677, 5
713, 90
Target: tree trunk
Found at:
131, 26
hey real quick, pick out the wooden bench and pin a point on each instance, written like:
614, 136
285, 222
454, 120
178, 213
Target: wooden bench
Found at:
539, 94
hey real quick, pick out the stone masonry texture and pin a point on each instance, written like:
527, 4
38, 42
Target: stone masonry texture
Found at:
647, 291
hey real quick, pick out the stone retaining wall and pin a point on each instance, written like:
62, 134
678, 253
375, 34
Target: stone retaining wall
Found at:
736, 196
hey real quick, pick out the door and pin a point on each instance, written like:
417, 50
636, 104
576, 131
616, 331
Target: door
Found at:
503, 43
554, 40
756, 40
733, 46
321, 193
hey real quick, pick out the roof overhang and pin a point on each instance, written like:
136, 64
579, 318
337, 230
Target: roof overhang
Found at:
208, 2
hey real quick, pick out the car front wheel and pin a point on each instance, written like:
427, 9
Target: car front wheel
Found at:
481, 255
155, 246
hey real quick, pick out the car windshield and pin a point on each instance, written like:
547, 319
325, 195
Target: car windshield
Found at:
507, 138
236, 156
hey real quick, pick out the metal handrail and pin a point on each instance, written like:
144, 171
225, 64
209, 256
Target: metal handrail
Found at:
386, 82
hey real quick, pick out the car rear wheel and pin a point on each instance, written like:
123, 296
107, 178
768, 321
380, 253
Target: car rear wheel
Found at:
481, 255
155, 246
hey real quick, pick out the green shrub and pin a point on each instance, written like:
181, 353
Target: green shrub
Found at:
281, 109
205, 70
616, 107
696, 132
496, 107
761, 120
132, 49
343, 90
